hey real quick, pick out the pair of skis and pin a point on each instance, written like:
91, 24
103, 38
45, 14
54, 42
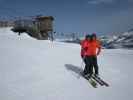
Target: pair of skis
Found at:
95, 80
100, 81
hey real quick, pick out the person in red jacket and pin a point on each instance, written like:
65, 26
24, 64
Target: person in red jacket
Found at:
93, 52
84, 44
91, 48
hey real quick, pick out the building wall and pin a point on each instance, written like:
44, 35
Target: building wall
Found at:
6, 23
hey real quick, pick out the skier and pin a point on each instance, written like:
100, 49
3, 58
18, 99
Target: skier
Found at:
84, 44
93, 52
90, 48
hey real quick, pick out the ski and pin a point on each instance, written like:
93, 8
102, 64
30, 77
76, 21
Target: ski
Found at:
97, 80
91, 81
101, 81
105, 83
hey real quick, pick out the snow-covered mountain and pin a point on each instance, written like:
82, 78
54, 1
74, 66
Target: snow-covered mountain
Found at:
33, 69
123, 40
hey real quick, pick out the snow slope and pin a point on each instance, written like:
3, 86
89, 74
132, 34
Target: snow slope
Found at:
40, 70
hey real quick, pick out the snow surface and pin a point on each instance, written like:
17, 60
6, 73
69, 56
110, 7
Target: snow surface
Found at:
41, 70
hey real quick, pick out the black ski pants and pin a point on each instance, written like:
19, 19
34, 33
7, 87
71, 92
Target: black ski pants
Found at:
90, 64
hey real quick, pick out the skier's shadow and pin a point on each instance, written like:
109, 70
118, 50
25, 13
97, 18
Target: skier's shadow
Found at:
74, 68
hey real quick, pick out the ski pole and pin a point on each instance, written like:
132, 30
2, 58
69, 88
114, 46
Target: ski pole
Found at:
82, 64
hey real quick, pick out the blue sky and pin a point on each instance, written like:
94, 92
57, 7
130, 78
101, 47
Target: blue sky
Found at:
101, 16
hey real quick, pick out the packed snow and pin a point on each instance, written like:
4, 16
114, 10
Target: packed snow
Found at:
33, 69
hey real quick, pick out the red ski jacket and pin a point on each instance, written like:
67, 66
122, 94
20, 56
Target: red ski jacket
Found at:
90, 48
83, 44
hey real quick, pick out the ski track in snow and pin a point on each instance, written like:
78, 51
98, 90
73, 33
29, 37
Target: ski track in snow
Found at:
41, 70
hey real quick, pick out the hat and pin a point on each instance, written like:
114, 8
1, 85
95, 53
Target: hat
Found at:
87, 36
94, 35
